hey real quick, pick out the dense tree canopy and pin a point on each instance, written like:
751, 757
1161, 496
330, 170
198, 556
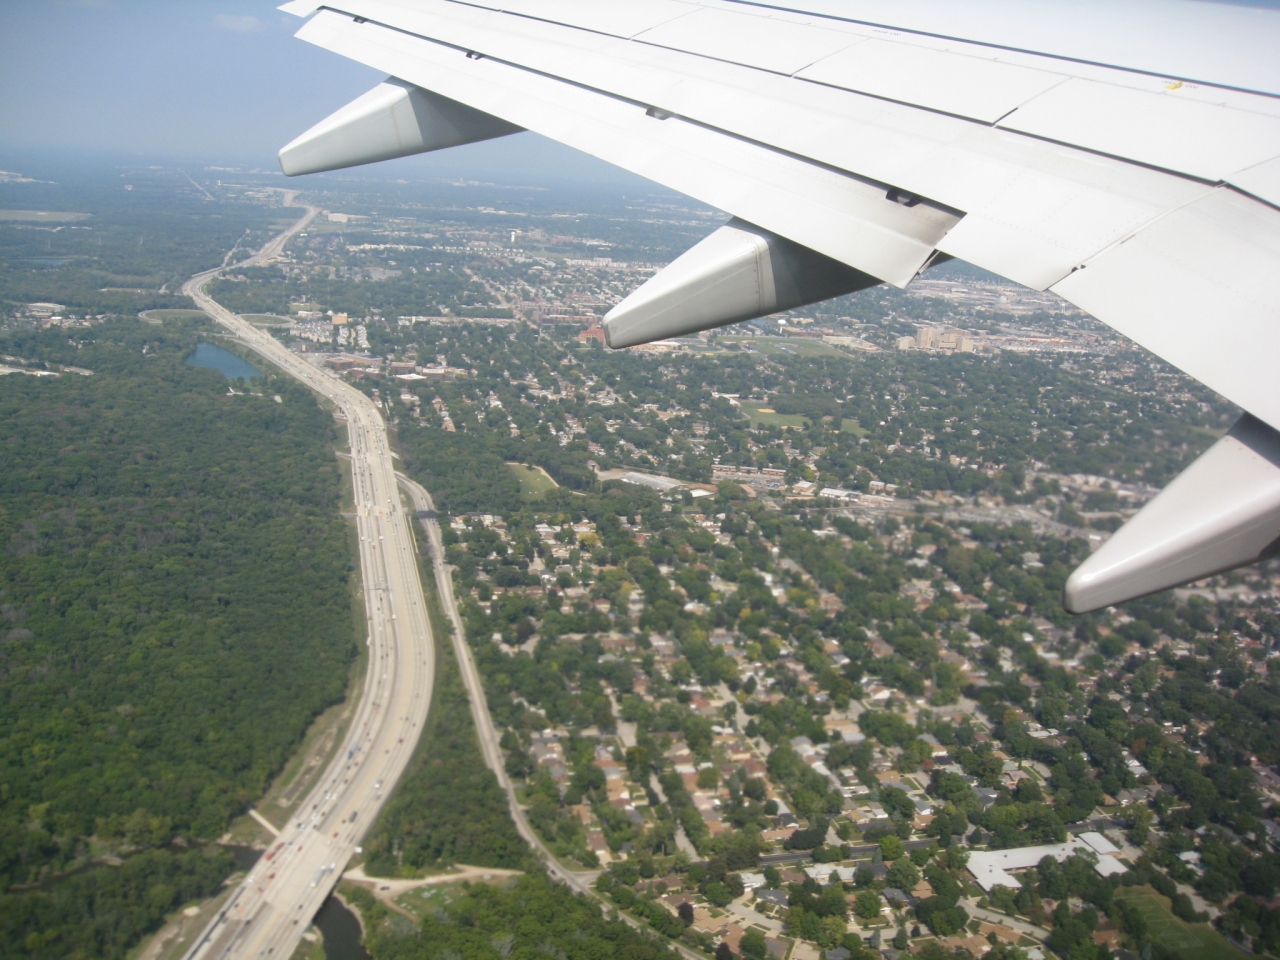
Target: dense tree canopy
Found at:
173, 583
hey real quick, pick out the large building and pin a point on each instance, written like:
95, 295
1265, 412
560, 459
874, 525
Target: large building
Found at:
991, 868
940, 340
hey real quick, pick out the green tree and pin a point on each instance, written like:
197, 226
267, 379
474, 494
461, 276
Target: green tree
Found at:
903, 874
867, 904
753, 944
891, 847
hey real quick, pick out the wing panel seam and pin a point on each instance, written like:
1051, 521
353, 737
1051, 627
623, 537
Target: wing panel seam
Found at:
1000, 46
622, 98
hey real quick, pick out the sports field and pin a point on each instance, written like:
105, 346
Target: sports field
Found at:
160, 316
1190, 941
763, 415
534, 481
44, 216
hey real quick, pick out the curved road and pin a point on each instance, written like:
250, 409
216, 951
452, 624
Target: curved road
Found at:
267, 914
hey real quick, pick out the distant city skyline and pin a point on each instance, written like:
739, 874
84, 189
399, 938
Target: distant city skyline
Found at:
213, 82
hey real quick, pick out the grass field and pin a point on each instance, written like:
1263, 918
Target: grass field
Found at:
763, 415
44, 216
267, 320
1190, 941
159, 316
849, 425
534, 482
788, 346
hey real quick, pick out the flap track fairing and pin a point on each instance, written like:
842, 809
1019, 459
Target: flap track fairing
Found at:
738, 273
394, 119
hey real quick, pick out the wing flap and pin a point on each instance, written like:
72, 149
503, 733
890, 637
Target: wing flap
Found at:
1036, 211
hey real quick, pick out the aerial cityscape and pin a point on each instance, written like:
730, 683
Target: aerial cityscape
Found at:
359, 602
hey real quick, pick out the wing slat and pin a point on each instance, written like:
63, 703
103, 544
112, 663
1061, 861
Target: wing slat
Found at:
966, 86
1162, 254
615, 19
1043, 208
779, 44
1152, 128
841, 216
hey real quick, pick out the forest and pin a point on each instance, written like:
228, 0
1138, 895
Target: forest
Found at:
137, 238
174, 588
530, 918
448, 807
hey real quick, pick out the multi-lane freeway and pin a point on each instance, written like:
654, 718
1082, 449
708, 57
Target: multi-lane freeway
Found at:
268, 913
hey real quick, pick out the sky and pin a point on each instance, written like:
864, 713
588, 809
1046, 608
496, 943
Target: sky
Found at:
211, 80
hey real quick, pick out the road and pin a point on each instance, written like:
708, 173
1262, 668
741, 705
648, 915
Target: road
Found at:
268, 913
485, 731
1014, 923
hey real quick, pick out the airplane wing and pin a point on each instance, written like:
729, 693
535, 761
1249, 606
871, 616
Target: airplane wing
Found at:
1124, 154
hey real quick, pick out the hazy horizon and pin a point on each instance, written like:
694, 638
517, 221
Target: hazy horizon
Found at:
227, 83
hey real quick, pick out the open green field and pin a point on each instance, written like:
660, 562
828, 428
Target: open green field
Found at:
1191, 941
44, 216
762, 415
849, 425
534, 482
267, 320
160, 316
788, 346
429, 899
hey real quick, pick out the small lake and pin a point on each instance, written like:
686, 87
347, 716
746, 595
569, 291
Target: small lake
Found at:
245, 857
341, 931
224, 361
336, 923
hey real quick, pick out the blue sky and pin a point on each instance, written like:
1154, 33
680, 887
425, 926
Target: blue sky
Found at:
193, 79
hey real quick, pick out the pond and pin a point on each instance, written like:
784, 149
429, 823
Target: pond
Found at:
336, 923
245, 857
224, 361
341, 931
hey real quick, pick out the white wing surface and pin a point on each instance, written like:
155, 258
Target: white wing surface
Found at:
1124, 154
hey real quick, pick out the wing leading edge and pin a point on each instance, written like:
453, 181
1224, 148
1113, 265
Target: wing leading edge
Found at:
853, 151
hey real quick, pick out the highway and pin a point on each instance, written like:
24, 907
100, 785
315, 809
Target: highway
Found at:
268, 913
